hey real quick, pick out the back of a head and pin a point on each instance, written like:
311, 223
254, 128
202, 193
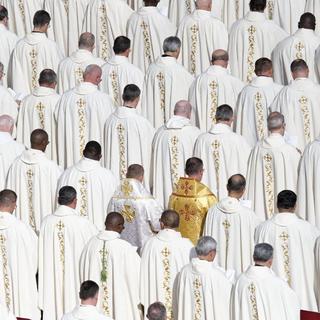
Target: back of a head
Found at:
205, 245
113, 220
121, 44
67, 195
299, 68
157, 311
151, 3
220, 55
171, 44
41, 18
47, 77
204, 4
236, 183
88, 290
92, 150
170, 219
263, 66
38, 138
135, 171
286, 200
7, 198
275, 121
92, 73
6, 123
86, 41
224, 113
263, 252
183, 108
193, 166
257, 5
3, 13
307, 21
130, 93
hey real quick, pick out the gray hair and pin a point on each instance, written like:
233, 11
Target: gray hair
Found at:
157, 311
171, 44
263, 252
205, 245
275, 121
6, 123
182, 108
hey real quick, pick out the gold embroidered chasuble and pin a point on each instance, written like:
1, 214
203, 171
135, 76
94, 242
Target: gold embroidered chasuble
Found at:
192, 200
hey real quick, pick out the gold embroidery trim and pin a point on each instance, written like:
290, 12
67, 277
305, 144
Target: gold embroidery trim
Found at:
188, 6
78, 73
104, 261
237, 5
226, 225
22, 13
253, 302
270, 8
174, 170
162, 90
284, 236
126, 188
83, 196
198, 298
214, 100
166, 282
60, 234
259, 115
299, 47
268, 176
251, 52
81, 103
66, 6
216, 161
104, 43
194, 40
115, 87
34, 68
306, 117
41, 114
32, 220
128, 213
6, 281
146, 40
122, 151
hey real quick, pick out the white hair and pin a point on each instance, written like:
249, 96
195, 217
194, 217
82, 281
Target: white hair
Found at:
205, 245
171, 44
263, 252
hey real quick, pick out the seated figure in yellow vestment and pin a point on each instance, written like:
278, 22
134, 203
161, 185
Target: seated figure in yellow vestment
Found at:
192, 200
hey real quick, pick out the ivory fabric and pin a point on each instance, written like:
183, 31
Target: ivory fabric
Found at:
317, 264
313, 6
62, 238
5, 315
233, 11
85, 312
179, 9
119, 290
7, 104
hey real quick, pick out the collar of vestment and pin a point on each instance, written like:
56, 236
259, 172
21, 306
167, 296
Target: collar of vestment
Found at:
107, 235
177, 122
6, 220
284, 219
132, 189
275, 140
261, 81
216, 70
34, 38
254, 16
304, 33
166, 61
85, 312
65, 211
301, 84
124, 112
191, 188
85, 164
3, 27
201, 266
229, 205
220, 128
84, 88
199, 14
5, 137
117, 60
81, 56
148, 10
168, 235
259, 272
33, 156
43, 92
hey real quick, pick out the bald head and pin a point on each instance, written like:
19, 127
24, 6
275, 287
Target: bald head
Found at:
39, 140
183, 108
92, 74
86, 41
114, 222
6, 123
236, 186
169, 220
276, 122
204, 5
220, 57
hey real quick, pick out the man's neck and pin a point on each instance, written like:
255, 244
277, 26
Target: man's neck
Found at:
235, 195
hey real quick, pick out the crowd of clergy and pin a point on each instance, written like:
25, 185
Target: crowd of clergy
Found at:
159, 159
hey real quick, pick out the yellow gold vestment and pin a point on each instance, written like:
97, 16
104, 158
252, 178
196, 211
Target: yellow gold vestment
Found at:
192, 200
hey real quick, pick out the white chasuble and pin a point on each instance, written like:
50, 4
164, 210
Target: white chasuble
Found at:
71, 69
293, 241
317, 270
232, 225
62, 238
148, 28
201, 34
252, 108
313, 6
232, 11
172, 146
210, 90
9, 151
139, 209
107, 20
128, 140
85, 312
224, 153
301, 45
95, 186
80, 114
8, 41
260, 294
114, 264
166, 83
272, 168
8, 105
299, 103
118, 72
37, 112
162, 258
31, 55
308, 186
201, 292
179, 9
18, 268
5, 314
33, 177
21, 13
251, 38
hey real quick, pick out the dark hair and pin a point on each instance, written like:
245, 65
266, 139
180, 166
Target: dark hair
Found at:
121, 44
193, 166
41, 18
236, 183
170, 218
47, 76
286, 199
135, 171
157, 311
66, 195
92, 150
7, 197
307, 21
131, 92
88, 290
298, 65
3, 13
262, 65
257, 5
38, 137
224, 113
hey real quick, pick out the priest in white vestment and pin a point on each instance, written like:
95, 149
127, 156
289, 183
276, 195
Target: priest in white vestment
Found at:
128, 137
107, 20
139, 208
21, 15
162, 258
8, 41
313, 6
293, 240
232, 11
179, 9
273, 167
5, 314
211, 89
95, 184
148, 28
34, 178
62, 238
166, 82
81, 114
32, 54
37, 111
201, 290
172, 145
71, 69
18, 261
254, 101
87, 309
251, 38
260, 294
10, 149
224, 153
299, 103
301, 45
233, 225
118, 72
114, 264
201, 33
